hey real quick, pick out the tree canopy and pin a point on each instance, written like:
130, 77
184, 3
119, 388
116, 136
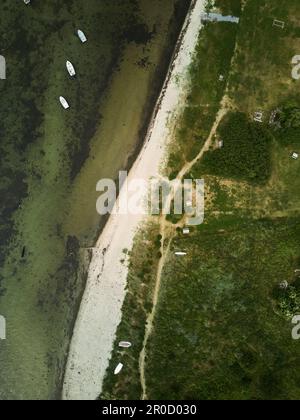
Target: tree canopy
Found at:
246, 154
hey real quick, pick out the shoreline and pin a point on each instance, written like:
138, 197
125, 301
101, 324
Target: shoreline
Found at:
101, 307
165, 57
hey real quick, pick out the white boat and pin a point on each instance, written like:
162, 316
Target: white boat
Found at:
64, 102
125, 344
81, 36
118, 369
70, 68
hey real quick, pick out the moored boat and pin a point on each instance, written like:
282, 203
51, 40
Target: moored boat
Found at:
81, 36
125, 344
118, 369
64, 102
70, 68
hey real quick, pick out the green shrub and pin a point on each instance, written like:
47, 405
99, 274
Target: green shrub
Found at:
288, 300
246, 154
287, 130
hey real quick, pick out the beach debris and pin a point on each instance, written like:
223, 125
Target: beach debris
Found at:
273, 117
23, 251
258, 116
295, 155
81, 36
2, 67
70, 68
125, 344
186, 231
118, 368
64, 102
180, 254
278, 23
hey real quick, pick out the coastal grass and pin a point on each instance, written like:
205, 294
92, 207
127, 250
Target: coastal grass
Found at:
217, 334
219, 329
216, 43
222, 328
137, 304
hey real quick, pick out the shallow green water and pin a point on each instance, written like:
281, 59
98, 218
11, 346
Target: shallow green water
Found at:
45, 160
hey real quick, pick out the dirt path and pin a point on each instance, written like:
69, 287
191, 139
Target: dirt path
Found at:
150, 319
224, 108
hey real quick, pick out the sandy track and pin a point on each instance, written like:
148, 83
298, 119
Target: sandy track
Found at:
163, 223
100, 310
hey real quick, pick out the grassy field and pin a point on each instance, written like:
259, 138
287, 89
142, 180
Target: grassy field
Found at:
222, 326
51, 160
217, 334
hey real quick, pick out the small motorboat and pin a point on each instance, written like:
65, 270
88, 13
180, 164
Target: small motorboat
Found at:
125, 344
118, 369
81, 36
64, 102
70, 68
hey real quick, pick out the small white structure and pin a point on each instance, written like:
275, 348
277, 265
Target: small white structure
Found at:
26, 1
221, 78
2, 67
2, 328
186, 231
180, 254
118, 368
81, 36
258, 116
278, 23
70, 69
217, 17
64, 102
295, 155
125, 344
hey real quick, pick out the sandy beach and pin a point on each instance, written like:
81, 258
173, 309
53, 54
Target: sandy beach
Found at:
101, 307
